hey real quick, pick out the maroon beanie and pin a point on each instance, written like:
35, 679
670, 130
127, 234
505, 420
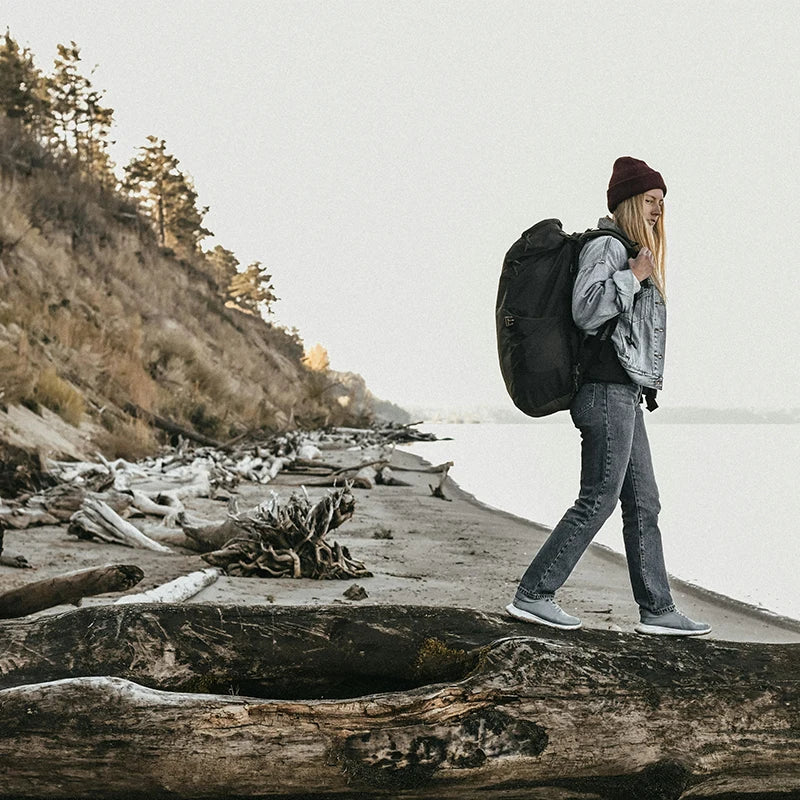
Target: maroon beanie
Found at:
630, 177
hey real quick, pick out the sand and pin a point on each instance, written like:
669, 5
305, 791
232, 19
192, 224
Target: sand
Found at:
421, 550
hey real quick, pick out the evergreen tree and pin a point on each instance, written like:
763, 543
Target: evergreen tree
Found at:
186, 218
82, 125
67, 87
252, 289
97, 159
22, 87
168, 196
224, 266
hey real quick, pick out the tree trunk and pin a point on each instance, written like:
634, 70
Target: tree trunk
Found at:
467, 705
168, 425
68, 588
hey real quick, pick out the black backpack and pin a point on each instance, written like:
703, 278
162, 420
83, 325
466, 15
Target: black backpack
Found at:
538, 343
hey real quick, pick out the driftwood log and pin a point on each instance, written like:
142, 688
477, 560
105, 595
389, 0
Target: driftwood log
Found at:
438, 490
6, 560
177, 590
168, 425
364, 476
56, 505
96, 519
68, 588
398, 702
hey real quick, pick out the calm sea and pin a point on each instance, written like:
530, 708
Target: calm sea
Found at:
730, 515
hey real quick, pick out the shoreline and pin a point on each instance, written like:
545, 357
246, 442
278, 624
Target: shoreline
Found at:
421, 550
618, 560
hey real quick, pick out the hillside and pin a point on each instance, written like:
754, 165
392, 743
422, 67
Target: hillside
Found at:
103, 327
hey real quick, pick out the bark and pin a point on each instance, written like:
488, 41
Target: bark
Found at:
400, 702
68, 588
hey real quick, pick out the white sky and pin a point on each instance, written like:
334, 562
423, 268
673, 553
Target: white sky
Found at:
381, 157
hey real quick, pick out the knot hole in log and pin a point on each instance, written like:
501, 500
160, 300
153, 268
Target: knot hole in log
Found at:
408, 755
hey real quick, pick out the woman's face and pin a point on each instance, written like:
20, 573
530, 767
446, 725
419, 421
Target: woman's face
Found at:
653, 205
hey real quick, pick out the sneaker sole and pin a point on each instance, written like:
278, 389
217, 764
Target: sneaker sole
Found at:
526, 616
658, 630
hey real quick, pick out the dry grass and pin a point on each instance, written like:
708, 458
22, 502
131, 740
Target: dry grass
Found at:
17, 377
85, 287
129, 440
59, 396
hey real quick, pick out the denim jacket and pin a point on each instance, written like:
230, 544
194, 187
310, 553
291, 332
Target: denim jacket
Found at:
604, 288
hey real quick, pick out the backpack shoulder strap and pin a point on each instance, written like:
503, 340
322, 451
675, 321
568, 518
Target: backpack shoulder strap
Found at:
595, 233
632, 248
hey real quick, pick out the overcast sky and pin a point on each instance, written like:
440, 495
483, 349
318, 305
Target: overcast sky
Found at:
381, 157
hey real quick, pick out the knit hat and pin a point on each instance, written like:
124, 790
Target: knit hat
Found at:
630, 177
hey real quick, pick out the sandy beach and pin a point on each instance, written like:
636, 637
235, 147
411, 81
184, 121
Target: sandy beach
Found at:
421, 550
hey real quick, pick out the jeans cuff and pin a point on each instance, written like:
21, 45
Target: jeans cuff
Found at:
660, 611
524, 594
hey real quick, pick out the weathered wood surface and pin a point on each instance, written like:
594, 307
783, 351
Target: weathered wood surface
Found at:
175, 591
68, 588
468, 705
97, 519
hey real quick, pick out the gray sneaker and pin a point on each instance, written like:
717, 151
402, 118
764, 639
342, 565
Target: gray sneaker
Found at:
670, 623
544, 611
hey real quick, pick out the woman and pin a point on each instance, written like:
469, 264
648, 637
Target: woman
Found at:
619, 303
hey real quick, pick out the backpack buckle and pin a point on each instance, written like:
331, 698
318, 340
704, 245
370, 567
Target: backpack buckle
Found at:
509, 321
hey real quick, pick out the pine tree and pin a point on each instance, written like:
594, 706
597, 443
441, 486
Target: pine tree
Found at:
22, 87
167, 195
82, 125
252, 290
97, 159
67, 87
186, 218
224, 266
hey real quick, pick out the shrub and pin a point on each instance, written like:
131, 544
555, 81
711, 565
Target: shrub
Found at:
131, 440
60, 396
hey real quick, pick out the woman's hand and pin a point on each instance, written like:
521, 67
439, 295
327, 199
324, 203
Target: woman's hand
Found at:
642, 266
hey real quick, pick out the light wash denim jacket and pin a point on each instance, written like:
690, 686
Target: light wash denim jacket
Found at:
604, 288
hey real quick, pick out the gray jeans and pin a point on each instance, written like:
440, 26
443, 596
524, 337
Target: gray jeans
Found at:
615, 464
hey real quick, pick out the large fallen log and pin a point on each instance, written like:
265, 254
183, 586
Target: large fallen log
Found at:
400, 702
68, 588
168, 425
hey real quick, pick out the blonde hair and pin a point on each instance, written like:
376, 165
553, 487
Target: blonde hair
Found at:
629, 215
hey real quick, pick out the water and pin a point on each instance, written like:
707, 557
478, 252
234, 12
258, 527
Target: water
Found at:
729, 497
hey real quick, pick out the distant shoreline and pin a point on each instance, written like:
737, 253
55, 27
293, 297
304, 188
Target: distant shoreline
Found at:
662, 416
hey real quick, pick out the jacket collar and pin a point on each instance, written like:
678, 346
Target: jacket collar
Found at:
606, 223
